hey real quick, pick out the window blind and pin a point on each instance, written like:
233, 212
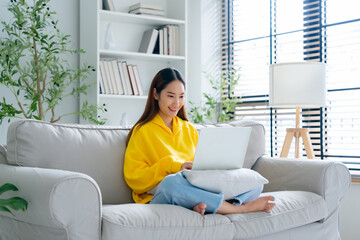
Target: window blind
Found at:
260, 33
342, 55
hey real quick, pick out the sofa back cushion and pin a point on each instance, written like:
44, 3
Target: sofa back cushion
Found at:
97, 151
256, 146
3, 154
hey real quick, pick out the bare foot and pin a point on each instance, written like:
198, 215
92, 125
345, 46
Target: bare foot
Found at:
200, 208
260, 204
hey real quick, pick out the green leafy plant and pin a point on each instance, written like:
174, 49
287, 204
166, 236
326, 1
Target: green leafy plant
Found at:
15, 203
33, 65
219, 106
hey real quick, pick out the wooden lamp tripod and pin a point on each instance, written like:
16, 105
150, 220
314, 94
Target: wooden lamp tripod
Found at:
297, 84
298, 133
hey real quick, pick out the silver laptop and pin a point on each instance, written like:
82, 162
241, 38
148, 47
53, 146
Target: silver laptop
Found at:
221, 148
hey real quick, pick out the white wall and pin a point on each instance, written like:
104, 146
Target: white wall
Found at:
204, 46
210, 41
67, 14
193, 52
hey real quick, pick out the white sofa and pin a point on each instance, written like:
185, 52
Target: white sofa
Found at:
72, 177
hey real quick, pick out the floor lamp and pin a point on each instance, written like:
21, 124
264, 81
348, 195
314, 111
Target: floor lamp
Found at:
297, 85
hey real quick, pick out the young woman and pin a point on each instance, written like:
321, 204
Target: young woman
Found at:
162, 143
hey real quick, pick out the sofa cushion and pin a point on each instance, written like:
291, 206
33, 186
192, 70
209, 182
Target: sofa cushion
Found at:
3, 154
229, 182
97, 151
292, 209
152, 221
256, 146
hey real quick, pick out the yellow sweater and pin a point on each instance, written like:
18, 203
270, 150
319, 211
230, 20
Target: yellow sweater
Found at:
154, 152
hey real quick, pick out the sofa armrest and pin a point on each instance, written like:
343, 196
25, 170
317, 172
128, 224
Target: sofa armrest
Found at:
56, 199
329, 179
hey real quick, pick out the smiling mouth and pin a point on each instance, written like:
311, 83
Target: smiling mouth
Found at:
173, 109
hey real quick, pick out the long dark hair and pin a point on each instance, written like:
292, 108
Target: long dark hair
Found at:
160, 81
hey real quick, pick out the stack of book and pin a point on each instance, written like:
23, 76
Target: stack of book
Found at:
169, 40
147, 9
164, 41
119, 78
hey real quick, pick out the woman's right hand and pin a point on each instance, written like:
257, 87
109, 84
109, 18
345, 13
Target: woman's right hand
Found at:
187, 166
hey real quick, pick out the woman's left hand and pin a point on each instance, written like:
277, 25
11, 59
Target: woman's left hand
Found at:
187, 165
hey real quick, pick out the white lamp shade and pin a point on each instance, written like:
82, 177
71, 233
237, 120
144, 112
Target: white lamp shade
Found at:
298, 84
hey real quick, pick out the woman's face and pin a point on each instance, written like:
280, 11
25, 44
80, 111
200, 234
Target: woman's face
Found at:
170, 100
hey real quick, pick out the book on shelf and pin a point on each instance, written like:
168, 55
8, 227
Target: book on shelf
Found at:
148, 41
138, 80
100, 88
117, 77
169, 40
112, 78
174, 40
156, 47
104, 77
127, 78
165, 41
108, 5
148, 12
101, 81
161, 41
177, 40
125, 84
147, 6
133, 80
109, 77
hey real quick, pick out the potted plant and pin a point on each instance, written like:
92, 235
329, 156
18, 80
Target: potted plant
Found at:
33, 66
15, 203
219, 105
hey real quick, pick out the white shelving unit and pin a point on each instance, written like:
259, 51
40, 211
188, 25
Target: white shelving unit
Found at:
127, 32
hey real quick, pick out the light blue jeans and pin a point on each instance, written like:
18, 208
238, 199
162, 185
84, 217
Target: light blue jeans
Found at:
176, 190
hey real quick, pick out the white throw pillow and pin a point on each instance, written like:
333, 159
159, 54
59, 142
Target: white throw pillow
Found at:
229, 182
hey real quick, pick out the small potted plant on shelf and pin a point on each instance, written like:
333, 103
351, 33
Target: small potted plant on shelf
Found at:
33, 66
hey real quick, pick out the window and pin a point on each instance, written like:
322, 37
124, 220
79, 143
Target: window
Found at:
259, 33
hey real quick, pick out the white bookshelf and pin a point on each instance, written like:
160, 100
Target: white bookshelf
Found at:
137, 19
137, 55
127, 31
